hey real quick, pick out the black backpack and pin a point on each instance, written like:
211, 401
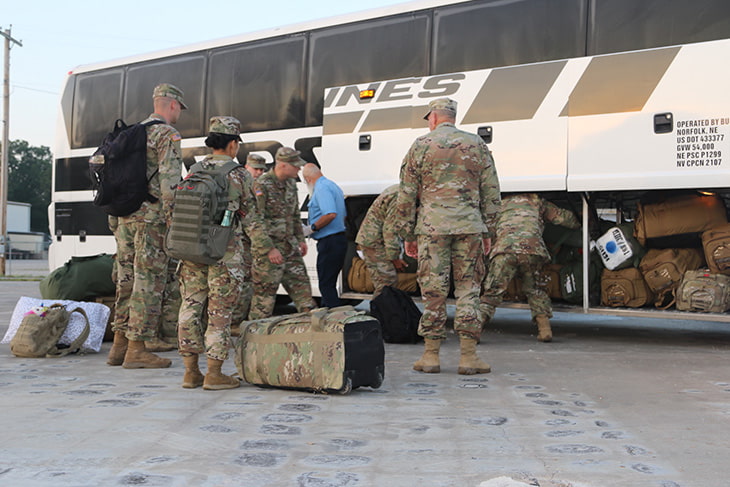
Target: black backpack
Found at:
397, 314
119, 169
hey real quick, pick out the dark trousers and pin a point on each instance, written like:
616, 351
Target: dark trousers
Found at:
330, 259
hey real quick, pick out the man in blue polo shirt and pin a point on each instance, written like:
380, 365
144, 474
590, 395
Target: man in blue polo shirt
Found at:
327, 226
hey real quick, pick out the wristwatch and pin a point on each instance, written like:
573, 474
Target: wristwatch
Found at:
314, 227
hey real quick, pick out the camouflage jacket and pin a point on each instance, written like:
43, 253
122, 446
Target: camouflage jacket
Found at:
377, 228
448, 186
522, 221
164, 169
248, 220
278, 204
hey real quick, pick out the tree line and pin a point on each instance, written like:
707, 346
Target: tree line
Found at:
29, 180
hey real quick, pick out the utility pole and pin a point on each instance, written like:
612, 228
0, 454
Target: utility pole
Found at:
6, 149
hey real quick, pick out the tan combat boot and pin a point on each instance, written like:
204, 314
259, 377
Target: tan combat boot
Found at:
158, 345
469, 363
193, 376
429, 361
118, 350
138, 357
215, 380
544, 333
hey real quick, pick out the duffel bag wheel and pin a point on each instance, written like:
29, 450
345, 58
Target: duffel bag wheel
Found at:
347, 387
379, 381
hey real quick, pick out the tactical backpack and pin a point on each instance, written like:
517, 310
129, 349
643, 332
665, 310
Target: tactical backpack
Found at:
625, 288
198, 232
119, 169
716, 246
663, 270
703, 291
42, 328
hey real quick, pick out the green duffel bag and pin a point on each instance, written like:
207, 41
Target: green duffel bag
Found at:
80, 279
703, 291
571, 280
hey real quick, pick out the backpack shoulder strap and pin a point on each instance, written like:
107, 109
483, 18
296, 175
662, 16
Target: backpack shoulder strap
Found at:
229, 166
145, 125
151, 122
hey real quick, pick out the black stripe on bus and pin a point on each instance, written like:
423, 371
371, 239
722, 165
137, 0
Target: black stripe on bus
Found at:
341, 123
619, 83
395, 118
513, 93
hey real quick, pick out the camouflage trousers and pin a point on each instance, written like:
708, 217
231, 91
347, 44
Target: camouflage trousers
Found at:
167, 328
381, 269
440, 257
209, 295
141, 272
170, 302
240, 313
266, 277
502, 269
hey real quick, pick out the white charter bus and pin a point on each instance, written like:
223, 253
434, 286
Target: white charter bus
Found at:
581, 100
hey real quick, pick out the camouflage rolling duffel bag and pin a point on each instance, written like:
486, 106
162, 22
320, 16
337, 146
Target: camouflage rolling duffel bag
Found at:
325, 350
702, 291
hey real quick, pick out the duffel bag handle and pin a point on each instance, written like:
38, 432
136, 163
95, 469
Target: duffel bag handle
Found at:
79, 341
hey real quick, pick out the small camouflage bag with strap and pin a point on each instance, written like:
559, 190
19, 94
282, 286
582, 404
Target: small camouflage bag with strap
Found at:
42, 328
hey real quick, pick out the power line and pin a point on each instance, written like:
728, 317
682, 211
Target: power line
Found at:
22, 87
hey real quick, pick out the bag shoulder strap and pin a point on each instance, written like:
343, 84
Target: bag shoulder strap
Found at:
76, 344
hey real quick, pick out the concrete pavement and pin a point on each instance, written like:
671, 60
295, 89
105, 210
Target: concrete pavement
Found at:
611, 402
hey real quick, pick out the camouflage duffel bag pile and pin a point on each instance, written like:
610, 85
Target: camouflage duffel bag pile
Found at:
325, 350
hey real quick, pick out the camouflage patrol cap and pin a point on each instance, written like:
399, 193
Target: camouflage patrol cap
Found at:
170, 91
446, 104
255, 161
225, 125
287, 154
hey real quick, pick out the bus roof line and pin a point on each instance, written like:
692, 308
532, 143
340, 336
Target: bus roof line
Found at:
290, 29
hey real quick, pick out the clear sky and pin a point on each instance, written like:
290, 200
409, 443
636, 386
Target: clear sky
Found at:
58, 35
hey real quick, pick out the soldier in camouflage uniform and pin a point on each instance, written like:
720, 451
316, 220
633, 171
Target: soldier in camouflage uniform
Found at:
282, 262
380, 245
210, 293
256, 166
520, 251
140, 240
448, 199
